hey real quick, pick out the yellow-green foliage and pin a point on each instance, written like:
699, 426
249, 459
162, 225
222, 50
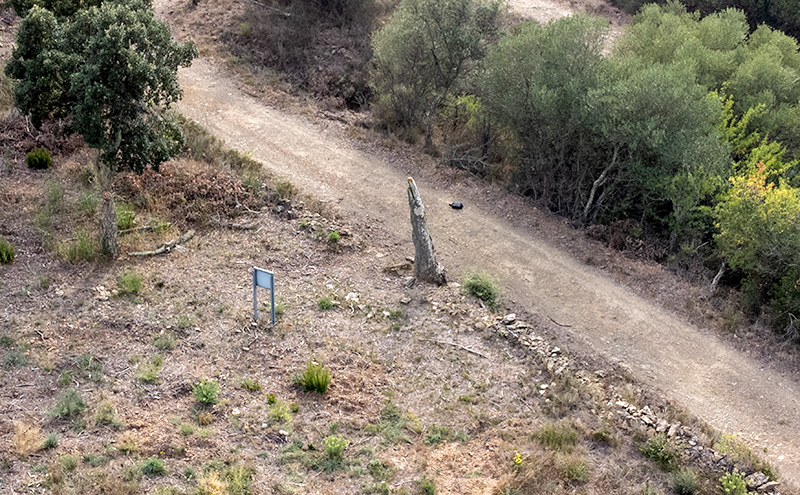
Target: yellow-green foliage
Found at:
7, 252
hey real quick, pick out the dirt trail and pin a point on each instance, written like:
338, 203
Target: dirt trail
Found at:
729, 390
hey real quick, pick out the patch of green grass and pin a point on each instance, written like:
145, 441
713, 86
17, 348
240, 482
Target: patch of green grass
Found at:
315, 378
684, 482
239, 479
68, 462
7, 252
164, 342
392, 424
325, 303
561, 436
482, 286
87, 203
438, 434
285, 190
575, 470
55, 196
379, 470
251, 385
741, 455
604, 435
69, 405
39, 159
14, 358
184, 321
125, 216
95, 460
186, 429
149, 371
129, 282
82, 248
50, 442
153, 466
90, 367
206, 391
662, 451
334, 237
65, 378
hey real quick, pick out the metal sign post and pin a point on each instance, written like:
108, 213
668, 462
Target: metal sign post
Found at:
265, 279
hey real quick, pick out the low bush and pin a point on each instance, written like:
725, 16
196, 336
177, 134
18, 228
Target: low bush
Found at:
129, 282
662, 451
684, 482
315, 378
164, 342
335, 447
733, 483
153, 466
561, 436
50, 442
325, 303
70, 405
148, 372
82, 248
206, 391
125, 216
7, 251
251, 385
482, 286
39, 159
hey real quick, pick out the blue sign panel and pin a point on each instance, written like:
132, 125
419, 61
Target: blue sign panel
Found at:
265, 279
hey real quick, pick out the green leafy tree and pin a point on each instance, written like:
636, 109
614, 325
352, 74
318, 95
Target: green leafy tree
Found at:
110, 70
61, 8
425, 51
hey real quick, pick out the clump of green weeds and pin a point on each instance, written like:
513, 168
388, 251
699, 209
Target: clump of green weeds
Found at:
206, 391
69, 405
251, 385
560, 436
149, 371
129, 282
482, 286
315, 378
662, 451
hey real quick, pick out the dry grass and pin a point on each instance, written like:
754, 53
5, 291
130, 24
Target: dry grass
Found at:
27, 438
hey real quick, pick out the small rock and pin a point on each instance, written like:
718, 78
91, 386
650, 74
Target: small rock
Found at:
543, 386
662, 426
236, 411
646, 420
622, 404
283, 433
556, 350
646, 410
479, 326
509, 318
673, 430
405, 300
768, 487
756, 480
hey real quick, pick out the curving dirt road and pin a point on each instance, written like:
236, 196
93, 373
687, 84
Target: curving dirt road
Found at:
729, 390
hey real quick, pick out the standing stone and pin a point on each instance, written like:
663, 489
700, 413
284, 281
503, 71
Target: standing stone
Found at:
426, 267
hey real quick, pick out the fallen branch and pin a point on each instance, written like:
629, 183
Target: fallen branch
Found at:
167, 246
473, 351
560, 324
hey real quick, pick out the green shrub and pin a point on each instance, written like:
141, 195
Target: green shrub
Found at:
733, 483
129, 282
153, 466
68, 462
50, 442
280, 412
125, 216
238, 479
325, 303
7, 252
206, 391
39, 159
742, 456
55, 196
285, 190
662, 451
427, 487
482, 286
335, 446
70, 404
105, 415
684, 482
315, 378
575, 470
334, 237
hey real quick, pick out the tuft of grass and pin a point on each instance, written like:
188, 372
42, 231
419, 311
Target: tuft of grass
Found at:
148, 372
90, 367
68, 462
184, 321
334, 237
206, 391
82, 248
55, 196
251, 385
280, 412
129, 282
741, 455
561, 436
315, 378
325, 303
65, 378
684, 482
482, 286
105, 415
604, 435
165, 342
575, 469
7, 252
285, 190
186, 429
50, 442
438, 434
87, 203
662, 451
153, 466
335, 446
14, 358
125, 216
69, 405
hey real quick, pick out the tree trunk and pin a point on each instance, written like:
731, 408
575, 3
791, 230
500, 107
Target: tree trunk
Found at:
426, 267
108, 214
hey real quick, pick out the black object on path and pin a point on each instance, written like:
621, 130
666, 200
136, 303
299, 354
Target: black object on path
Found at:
456, 206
